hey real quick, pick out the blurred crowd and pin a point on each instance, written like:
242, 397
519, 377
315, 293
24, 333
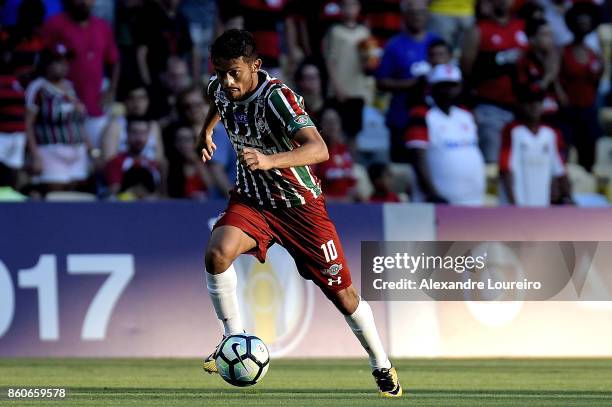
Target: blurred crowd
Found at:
463, 102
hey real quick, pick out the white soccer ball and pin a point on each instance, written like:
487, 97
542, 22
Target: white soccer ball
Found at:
242, 360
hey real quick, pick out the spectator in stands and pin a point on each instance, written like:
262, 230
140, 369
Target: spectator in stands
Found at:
163, 32
384, 17
306, 24
336, 174
531, 10
382, 180
439, 52
538, 68
228, 16
490, 52
202, 17
450, 19
24, 39
262, 18
192, 109
190, 105
118, 167
174, 80
188, 177
402, 72
12, 114
581, 71
7, 185
530, 165
349, 86
222, 167
9, 10
443, 143
309, 84
91, 41
114, 140
138, 183
126, 20
54, 125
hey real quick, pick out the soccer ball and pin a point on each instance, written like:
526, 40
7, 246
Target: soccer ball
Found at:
242, 360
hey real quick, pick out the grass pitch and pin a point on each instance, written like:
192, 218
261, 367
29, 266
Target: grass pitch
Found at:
313, 383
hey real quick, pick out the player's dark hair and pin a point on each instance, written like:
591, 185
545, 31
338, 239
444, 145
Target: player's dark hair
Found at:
533, 25
234, 44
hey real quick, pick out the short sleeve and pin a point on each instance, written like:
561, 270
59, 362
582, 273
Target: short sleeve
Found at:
288, 108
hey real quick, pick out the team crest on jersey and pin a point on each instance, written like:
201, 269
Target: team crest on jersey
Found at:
301, 120
333, 270
261, 125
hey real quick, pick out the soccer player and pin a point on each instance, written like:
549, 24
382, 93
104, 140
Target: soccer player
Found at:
276, 198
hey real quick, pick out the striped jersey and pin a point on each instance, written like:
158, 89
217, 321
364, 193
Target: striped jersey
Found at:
267, 121
58, 120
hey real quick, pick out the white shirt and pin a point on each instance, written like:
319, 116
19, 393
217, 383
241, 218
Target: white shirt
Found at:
533, 160
455, 162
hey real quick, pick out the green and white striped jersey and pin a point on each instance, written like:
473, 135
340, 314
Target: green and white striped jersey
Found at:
267, 121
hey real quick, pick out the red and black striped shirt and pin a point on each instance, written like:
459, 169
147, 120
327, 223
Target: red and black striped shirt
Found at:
12, 105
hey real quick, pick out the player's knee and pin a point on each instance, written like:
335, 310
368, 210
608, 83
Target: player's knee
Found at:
347, 300
218, 258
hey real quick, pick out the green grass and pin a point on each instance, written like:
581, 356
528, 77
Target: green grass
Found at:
313, 383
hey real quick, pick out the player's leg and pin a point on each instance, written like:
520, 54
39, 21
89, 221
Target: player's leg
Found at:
241, 229
311, 238
225, 245
359, 316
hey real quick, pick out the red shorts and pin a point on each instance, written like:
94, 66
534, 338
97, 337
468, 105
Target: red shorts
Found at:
305, 231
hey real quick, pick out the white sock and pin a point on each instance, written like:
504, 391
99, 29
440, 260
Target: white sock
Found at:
362, 323
222, 291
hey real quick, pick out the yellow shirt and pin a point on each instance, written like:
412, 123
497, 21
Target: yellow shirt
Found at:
455, 8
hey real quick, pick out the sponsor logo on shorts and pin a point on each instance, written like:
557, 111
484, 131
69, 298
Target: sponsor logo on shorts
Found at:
333, 270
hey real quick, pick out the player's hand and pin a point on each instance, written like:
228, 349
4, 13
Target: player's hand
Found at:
255, 160
208, 148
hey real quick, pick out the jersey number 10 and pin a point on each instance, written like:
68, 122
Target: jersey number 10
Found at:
329, 250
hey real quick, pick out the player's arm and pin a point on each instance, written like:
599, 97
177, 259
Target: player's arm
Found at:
311, 150
206, 144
